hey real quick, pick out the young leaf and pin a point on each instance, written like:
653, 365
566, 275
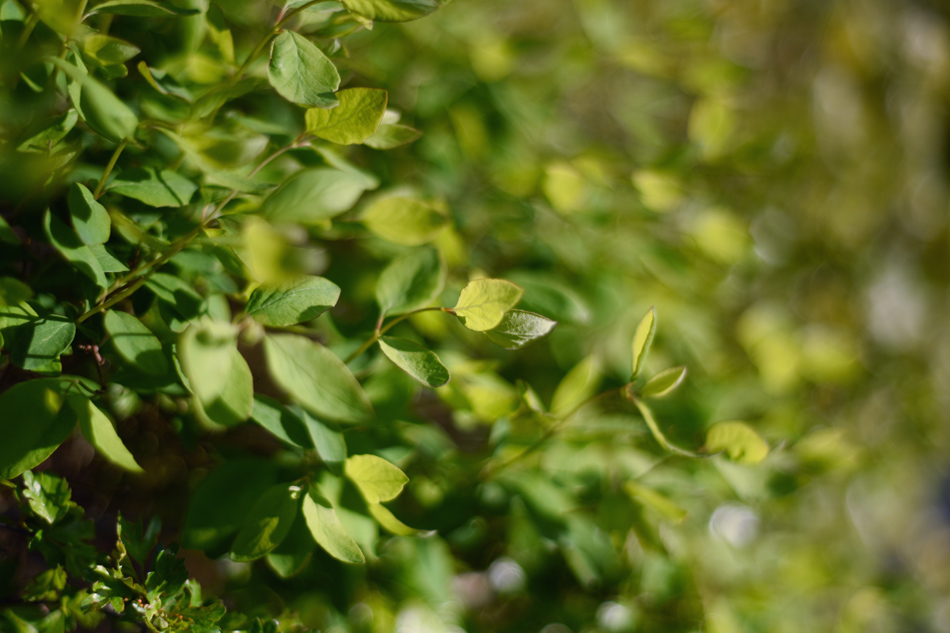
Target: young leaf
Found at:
327, 530
410, 282
141, 9
663, 382
575, 387
301, 73
316, 378
377, 479
392, 135
386, 519
642, 339
206, 351
313, 196
483, 303
101, 434
90, 219
292, 302
518, 328
135, 343
415, 360
354, 120
267, 524
37, 345
102, 111
47, 494
155, 188
738, 440
391, 10
25, 446
405, 221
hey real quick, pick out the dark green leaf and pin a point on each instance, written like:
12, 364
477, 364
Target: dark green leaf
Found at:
415, 360
315, 195
518, 328
410, 282
281, 421
294, 363
25, 446
292, 302
301, 73
49, 132
268, 523
155, 188
181, 297
135, 343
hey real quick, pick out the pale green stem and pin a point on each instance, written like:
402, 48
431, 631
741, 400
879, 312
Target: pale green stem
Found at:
379, 332
105, 175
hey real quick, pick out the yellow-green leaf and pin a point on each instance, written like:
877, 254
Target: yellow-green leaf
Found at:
353, 121
664, 382
483, 303
327, 530
642, 340
99, 431
376, 478
738, 440
406, 221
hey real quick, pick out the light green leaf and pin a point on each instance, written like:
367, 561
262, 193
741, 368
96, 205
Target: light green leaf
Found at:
327, 530
135, 343
267, 524
90, 219
313, 196
655, 500
392, 135
99, 431
738, 440
663, 382
483, 303
25, 446
69, 246
301, 73
102, 111
377, 479
206, 351
518, 328
415, 360
316, 378
13, 292
155, 188
575, 387
406, 221
235, 403
410, 282
295, 301
386, 519
281, 421
391, 10
642, 339
354, 120
107, 262
141, 9
47, 494
38, 344
107, 51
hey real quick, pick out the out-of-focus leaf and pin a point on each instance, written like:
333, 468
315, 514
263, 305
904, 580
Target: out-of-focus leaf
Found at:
313, 196
642, 340
738, 440
663, 382
518, 328
156, 188
410, 282
391, 10
392, 135
25, 446
386, 519
141, 9
406, 221
575, 387
268, 523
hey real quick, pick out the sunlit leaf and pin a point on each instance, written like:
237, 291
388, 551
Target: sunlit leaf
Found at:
575, 387
376, 478
406, 221
101, 434
135, 343
353, 121
518, 328
28, 445
327, 530
738, 440
292, 302
420, 363
663, 382
301, 73
391, 10
483, 303
386, 519
642, 340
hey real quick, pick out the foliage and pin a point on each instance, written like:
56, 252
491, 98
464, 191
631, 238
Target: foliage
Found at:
379, 376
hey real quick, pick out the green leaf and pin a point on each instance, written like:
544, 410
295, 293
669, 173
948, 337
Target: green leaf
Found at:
235, 403
738, 440
313, 196
70, 247
281, 421
301, 73
483, 303
392, 135
415, 360
223, 500
267, 524
49, 132
518, 328
102, 111
99, 431
663, 382
391, 10
575, 387
295, 551
38, 344
655, 500
206, 351
155, 188
377, 479
386, 519
90, 219
47, 495
13, 292
410, 282
329, 442
405, 221
353, 121
135, 343
327, 530
107, 262
292, 302
316, 378
107, 51
642, 339
141, 9
181, 297
26, 446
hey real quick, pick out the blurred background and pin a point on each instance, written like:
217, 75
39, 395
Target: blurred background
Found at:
773, 177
